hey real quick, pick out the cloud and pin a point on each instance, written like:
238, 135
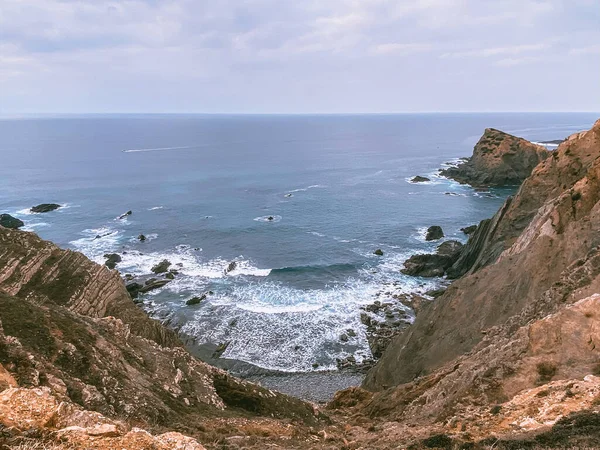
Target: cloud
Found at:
497, 51
400, 49
269, 55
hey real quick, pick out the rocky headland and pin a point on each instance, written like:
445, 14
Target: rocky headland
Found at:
506, 357
499, 159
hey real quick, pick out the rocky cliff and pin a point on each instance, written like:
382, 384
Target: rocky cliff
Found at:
529, 250
69, 327
499, 159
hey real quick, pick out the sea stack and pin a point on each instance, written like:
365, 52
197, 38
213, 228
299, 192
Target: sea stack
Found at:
499, 159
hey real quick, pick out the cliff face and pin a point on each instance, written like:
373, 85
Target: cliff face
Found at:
529, 259
45, 274
499, 159
69, 327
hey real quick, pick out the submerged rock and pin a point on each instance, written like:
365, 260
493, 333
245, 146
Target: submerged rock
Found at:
45, 207
434, 233
161, 267
419, 179
8, 221
231, 267
195, 300
124, 215
112, 259
154, 285
220, 349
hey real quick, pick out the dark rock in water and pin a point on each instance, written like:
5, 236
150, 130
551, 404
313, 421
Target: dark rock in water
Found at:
174, 271
150, 281
133, 289
288, 195
435, 293
270, 218
8, 221
231, 267
112, 259
344, 337
100, 236
141, 237
195, 300
469, 230
161, 267
315, 365
350, 332
433, 265
128, 213
419, 179
220, 349
434, 233
170, 276
378, 252
129, 277
154, 285
45, 207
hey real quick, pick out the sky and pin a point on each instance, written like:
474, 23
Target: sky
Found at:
298, 56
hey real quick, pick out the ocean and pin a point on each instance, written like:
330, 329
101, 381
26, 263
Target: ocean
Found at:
202, 189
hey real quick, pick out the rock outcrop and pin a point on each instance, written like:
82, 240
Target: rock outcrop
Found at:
8, 221
69, 325
436, 264
539, 253
499, 159
45, 274
45, 207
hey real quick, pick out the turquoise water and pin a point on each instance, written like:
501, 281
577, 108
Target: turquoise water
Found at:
201, 187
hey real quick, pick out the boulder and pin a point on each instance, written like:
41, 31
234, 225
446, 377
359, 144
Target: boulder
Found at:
231, 267
195, 300
45, 207
450, 248
170, 276
154, 285
434, 233
469, 230
378, 252
161, 267
133, 289
419, 179
433, 265
112, 259
8, 221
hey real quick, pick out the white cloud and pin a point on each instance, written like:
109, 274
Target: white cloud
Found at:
496, 51
400, 49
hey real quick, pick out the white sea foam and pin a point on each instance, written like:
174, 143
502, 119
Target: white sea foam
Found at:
313, 186
316, 233
158, 149
97, 241
33, 226
274, 219
154, 208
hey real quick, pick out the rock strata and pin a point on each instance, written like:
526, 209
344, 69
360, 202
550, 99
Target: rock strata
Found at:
534, 257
